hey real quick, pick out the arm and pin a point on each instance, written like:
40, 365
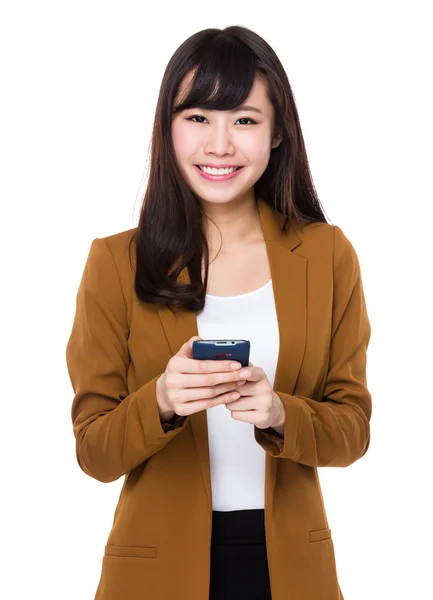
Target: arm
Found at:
336, 430
115, 431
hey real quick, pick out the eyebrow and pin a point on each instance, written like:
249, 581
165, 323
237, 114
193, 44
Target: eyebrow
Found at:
243, 107
247, 107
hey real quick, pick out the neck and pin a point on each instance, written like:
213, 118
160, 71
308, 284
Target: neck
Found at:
232, 225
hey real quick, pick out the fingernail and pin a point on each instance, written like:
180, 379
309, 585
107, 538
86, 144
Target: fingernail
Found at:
235, 365
244, 374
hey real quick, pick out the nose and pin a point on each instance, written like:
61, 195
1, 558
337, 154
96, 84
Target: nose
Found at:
219, 141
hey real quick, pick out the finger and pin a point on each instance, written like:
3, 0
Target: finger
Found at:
186, 349
247, 416
191, 365
193, 406
205, 380
245, 394
241, 404
206, 392
251, 373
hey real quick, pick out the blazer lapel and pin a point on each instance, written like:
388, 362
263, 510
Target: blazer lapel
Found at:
288, 271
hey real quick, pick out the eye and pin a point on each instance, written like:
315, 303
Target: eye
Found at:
195, 117
201, 117
247, 119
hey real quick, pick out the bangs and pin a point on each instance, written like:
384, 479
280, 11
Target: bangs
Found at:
224, 76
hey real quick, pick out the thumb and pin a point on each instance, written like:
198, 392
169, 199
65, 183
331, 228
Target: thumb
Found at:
186, 349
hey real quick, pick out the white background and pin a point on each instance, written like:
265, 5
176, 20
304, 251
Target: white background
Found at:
79, 83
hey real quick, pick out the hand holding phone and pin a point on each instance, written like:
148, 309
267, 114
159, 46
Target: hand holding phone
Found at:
190, 385
222, 350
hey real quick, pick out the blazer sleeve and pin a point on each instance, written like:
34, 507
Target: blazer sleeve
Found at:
334, 431
115, 430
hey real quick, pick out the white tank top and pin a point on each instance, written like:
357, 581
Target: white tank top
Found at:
237, 461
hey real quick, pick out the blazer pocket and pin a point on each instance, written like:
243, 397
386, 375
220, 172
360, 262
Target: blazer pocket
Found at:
130, 551
320, 534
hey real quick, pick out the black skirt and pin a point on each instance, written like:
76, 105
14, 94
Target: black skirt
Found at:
239, 564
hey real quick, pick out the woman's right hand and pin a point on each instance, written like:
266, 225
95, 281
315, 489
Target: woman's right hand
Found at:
189, 385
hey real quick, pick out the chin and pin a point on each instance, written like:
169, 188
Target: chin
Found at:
228, 199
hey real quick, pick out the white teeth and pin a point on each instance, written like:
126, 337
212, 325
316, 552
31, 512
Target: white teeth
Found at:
213, 171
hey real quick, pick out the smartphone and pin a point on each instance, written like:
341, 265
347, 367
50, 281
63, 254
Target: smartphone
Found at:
238, 350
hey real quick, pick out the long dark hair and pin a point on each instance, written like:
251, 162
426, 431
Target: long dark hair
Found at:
170, 234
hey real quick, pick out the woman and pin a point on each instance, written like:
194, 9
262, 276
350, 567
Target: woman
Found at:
221, 497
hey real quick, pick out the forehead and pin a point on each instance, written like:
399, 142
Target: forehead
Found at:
257, 96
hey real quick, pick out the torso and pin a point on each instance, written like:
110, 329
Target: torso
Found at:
236, 273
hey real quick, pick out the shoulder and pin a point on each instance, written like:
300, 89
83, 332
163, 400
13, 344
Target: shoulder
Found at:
115, 251
121, 246
329, 245
322, 235
119, 243
314, 231
315, 237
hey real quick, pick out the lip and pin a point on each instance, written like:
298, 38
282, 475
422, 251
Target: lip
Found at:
218, 177
218, 166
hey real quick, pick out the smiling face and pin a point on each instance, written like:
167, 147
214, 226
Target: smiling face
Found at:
241, 138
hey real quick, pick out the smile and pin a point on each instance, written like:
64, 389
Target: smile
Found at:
215, 177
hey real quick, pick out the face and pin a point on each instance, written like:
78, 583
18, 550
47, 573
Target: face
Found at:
242, 138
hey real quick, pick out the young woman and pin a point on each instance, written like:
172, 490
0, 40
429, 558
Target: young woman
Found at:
221, 497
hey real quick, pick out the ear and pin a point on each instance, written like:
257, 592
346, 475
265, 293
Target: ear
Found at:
277, 139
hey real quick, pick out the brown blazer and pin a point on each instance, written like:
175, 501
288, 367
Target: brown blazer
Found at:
159, 544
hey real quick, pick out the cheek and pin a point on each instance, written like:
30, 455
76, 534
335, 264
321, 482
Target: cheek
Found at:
259, 155
184, 144
257, 149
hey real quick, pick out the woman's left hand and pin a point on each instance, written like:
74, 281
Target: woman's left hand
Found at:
258, 403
